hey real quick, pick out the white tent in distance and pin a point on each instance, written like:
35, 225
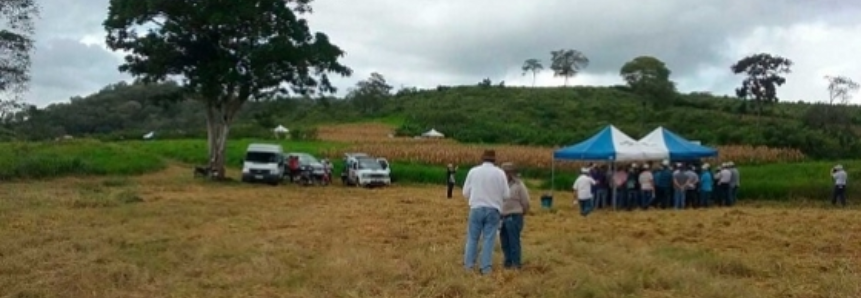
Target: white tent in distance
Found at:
280, 130
149, 135
433, 133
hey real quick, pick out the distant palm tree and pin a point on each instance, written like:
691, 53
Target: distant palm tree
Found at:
534, 66
567, 63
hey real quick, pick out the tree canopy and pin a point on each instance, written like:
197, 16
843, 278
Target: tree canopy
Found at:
764, 74
226, 52
567, 63
649, 77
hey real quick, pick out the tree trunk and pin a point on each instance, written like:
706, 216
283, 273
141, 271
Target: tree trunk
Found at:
565, 84
533, 79
218, 120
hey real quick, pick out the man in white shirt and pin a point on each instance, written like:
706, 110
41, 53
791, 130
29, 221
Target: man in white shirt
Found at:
583, 191
839, 176
486, 187
723, 183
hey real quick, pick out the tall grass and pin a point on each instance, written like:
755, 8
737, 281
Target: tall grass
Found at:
74, 157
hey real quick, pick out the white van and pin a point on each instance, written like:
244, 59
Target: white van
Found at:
264, 163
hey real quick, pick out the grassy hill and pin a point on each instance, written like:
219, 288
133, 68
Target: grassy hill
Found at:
475, 114
560, 116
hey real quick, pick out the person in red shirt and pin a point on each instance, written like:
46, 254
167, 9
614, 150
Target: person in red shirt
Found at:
294, 167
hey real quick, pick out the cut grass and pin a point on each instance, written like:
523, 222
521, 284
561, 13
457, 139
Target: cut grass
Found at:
187, 238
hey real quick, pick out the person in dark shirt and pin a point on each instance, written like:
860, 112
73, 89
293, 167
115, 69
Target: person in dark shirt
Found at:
599, 174
451, 172
632, 188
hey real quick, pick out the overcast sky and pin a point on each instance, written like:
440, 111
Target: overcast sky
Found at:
426, 43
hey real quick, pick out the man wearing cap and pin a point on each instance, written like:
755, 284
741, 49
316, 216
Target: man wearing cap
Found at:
723, 183
839, 176
647, 187
486, 188
680, 186
734, 183
664, 185
583, 191
513, 211
705, 186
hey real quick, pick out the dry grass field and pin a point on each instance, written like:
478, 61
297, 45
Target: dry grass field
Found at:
164, 235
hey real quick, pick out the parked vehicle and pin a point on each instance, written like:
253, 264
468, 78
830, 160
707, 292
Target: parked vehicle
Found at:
263, 163
363, 170
311, 170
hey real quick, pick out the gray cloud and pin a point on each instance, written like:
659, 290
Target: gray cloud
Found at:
428, 43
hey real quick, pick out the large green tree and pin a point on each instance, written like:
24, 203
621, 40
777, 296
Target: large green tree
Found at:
16, 45
649, 77
567, 63
227, 52
370, 95
765, 72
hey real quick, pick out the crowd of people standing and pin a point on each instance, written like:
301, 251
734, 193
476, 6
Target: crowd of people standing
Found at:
644, 186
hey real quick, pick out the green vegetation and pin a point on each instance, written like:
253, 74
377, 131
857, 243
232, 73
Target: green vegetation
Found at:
807, 180
78, 157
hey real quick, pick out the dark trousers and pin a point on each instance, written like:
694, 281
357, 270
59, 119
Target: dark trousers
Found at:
663, 196
450, 189
509, 237
722, 195
839, 194
691, 198
705, 197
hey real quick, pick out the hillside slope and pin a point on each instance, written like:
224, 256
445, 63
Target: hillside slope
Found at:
560, 116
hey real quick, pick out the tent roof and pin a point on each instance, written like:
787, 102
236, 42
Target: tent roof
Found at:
608, 144
432, 133
676, 146
280, 128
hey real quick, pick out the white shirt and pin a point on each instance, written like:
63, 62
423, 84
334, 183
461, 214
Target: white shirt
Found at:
486, 186
583, 187
839, 177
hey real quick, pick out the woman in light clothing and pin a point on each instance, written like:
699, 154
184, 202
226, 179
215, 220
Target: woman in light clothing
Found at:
513, 210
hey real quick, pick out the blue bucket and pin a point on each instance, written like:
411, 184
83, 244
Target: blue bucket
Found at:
546, 201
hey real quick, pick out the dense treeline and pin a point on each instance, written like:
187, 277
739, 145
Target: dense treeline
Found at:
485, 113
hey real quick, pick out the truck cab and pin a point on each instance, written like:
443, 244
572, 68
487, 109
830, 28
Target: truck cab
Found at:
264, 163
366, 171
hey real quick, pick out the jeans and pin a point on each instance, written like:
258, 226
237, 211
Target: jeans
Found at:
586, 206
450, 188
839, 194
733, 195
483, 222
601, 198
662, 199
632, 199
679, 199
646, 197
722, 196
705, 197
509, 238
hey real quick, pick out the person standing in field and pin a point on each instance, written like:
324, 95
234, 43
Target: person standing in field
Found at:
705, 186
583, 192
647, 187
486, 188
839, 176
724, 188
600, 189
513, 211
619, 179
680, 185
691, 190
664, 185
451, 172
734, 183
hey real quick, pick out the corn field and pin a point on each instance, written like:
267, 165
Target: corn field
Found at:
440, 152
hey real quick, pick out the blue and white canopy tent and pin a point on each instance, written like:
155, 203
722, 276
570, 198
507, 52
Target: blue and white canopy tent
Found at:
671, 146
610, 144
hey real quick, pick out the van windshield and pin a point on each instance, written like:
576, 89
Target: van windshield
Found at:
262, 157
369, 164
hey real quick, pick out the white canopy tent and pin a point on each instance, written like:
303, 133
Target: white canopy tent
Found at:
278, 131
433, 133
149, 135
